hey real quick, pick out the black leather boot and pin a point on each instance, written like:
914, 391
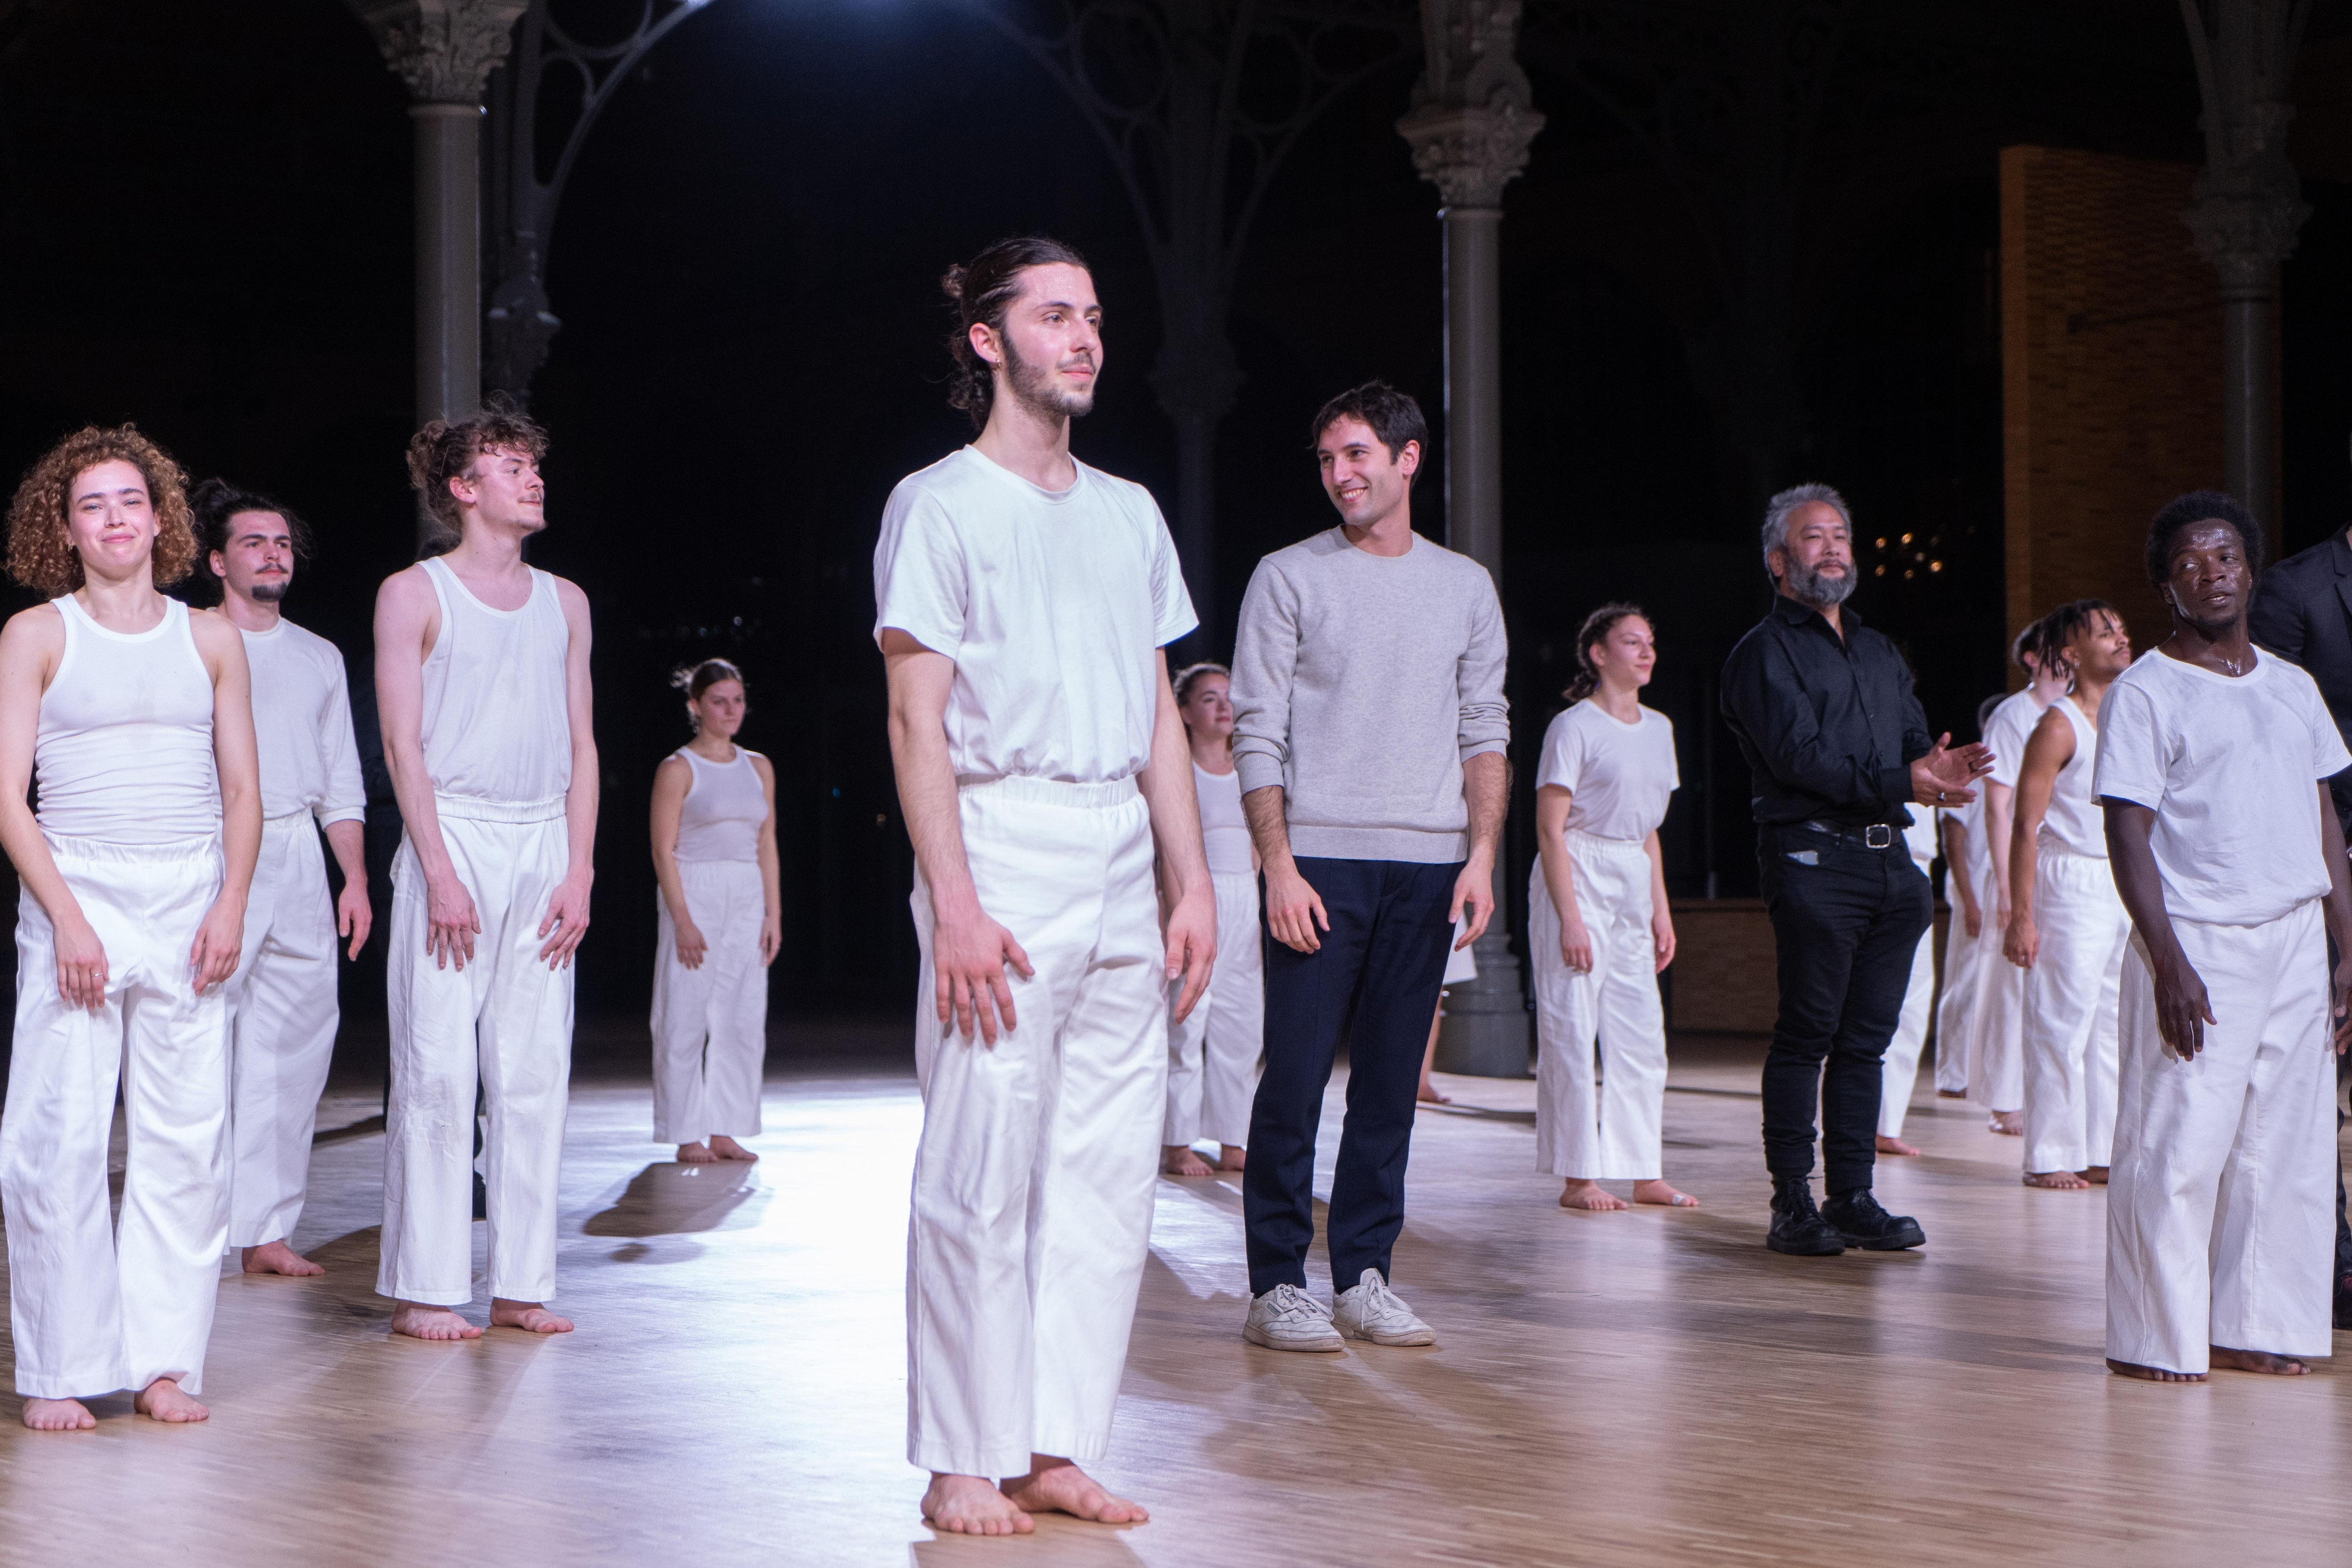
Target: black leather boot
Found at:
1862, 1223
1798, 1227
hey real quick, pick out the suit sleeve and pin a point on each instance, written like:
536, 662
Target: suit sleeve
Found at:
2277, 620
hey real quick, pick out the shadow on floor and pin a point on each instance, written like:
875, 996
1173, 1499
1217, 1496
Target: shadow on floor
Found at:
672, 1198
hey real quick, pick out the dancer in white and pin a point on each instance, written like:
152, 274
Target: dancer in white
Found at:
2213, 762
1212, 1055
2067, 927
133, 714
1997, 1044
1968, 886
722, 920
1899, 1070
1598, 925
1024, 601
282, 1001
481, 678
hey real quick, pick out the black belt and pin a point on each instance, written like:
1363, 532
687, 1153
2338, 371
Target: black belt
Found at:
1869, 836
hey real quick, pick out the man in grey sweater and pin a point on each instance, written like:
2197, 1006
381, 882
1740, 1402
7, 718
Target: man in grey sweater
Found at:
1368, 728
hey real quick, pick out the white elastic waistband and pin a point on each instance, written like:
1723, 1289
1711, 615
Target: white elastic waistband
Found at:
206, 846
1100, 797
1597, 840
287, 821
469, 809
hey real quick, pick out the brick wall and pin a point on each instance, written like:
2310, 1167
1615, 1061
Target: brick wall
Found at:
2111, 373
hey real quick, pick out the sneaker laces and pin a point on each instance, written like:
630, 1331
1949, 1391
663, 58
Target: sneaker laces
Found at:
1291, 1304
1381, 1301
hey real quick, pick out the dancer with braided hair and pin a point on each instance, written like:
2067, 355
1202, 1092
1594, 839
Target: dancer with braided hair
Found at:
1597, 926
722, 921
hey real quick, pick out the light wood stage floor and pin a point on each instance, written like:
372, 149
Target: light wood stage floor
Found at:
1642, 1388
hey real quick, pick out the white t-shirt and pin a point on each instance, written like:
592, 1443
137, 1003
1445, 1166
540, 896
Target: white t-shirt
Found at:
1050, 602
1974, 867
1919, 838
2006, 731
2231, 766
1617, 775
1223, 827
302, 723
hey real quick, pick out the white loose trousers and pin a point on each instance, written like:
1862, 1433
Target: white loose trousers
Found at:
1963, 982
507, 1017
1213, 1056
2220, 1201
1899, 1069
1613, 1133
2071, 1012
283, 1014
1997, 1035
711, 1024
1036, 1169
95, 1307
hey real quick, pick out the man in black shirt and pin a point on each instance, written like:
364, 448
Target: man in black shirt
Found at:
1823, 712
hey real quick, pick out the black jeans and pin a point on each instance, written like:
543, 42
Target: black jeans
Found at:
1376, 976
1846, 920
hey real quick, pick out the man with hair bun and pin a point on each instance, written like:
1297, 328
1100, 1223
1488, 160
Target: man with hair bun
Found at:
282, 1003
1823, 709
2213, 763
481, 676
131, 713
1024, 604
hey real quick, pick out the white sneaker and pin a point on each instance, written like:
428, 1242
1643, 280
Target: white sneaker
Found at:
1369, 1309
1288, 1318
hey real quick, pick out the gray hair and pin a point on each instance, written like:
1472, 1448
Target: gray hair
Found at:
1777, 511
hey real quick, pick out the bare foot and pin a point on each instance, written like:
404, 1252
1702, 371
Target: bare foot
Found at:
59, 1416
418, 1321
2151, 1374
967, 1505
1232, 1158
2057, 1181
1428, 1095
1658, 1192
1887, 1146
2258, 1361
695, 1155
2008, 1123
1580, 1194
526, 1316
163, 1401
2097, 1176
1058, 1486
1179, 1160
726, 1148
276, 1257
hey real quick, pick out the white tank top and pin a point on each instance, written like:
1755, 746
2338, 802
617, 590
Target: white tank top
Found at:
2074, 823
124, 751
1224, 830
497, 732
723, 810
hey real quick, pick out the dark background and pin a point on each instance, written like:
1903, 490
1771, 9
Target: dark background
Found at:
205, 228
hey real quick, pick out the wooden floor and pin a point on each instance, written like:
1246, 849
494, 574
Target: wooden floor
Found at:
1642, 1388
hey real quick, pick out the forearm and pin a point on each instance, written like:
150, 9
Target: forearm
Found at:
347, 842
1487, 789
1558, 876
29, 852
1175, 807
2140, 885
772, 879
420, 819
2024, 861
1999, 801
672, 885
1269, 829
1658, 905
580, 804
240, 839
927, 798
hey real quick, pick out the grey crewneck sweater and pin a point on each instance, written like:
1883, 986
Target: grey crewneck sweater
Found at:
1362, 683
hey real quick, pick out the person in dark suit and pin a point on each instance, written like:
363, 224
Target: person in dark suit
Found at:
2303, 613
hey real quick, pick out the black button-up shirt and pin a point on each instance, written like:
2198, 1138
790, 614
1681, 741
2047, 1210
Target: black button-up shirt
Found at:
1828, 725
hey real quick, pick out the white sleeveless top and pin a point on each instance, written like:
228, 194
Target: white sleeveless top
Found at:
497, 732
2074, 823
723, 810
1224, 830
124, 751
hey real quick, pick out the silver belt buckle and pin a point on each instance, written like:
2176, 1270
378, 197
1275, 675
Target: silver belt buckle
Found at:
1878, 836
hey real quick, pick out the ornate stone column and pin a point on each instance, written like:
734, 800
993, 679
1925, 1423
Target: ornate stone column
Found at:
1471, 121
2248, 208
444, 50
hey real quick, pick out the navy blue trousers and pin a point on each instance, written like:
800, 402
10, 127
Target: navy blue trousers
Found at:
1376, 977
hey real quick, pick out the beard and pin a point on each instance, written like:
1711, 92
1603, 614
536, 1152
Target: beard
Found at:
1810, 585
1036, 387
270, 593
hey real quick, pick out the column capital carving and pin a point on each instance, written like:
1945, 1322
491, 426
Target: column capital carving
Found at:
444, 49
2248, 200
2245, 219
1472, 113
